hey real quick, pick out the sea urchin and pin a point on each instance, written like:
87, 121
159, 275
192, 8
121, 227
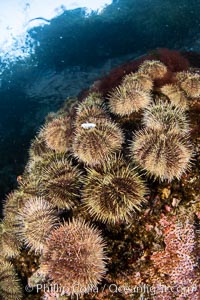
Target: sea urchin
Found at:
162, 154
124, 100
74, 257
93, 145
36, 219
114, 194
164, 116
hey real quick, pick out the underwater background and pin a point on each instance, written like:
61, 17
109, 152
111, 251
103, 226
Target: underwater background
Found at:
59, 57
99, 150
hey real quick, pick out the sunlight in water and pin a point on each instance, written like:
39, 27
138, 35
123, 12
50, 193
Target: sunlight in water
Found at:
18, 16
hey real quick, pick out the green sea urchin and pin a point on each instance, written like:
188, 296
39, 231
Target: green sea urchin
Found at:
35, 221
74, 257
28, 187
38, 146
94, 98
190, 83
10, 287
12, 203
91, 110
60, 182
124, 100
175, 95
162, 154
155, 69
164, 116
115, 193
138, 81
36, 164
93, 145
58, 134
9, 244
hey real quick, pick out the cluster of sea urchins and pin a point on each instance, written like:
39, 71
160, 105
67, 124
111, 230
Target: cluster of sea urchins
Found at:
87, 163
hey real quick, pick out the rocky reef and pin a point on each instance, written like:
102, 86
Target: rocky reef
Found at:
108, 206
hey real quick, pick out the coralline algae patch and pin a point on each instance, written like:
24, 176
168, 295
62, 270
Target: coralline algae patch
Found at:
108, 205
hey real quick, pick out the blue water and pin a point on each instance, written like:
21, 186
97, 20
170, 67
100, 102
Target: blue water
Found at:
66, 54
